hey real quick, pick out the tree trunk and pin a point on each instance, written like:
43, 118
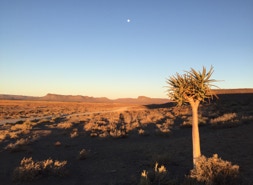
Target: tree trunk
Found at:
195, 132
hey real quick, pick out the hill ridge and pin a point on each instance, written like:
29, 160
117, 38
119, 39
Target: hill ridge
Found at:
88, 99
91, 99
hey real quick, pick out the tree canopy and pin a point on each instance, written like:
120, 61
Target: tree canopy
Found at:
191, 86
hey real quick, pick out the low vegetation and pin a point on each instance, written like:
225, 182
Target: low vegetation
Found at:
208, 171
30, 170
159, 175
214, 171
125, 145
83, 154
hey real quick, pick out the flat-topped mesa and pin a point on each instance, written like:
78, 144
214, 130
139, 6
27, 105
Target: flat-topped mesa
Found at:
74, 98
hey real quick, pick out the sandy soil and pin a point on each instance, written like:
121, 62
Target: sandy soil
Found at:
147, 134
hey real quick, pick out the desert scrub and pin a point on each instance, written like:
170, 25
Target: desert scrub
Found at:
14, 134
164, 127
103, 127
187, 121
247, 119
83, 154
119, 129
161, 158
74, 133
215, 171
18, 145
30, 170
3, 135
226, 120
65, 125
24, 126
142, 132
144, 180
159, 175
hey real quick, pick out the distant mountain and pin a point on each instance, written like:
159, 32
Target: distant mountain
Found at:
78, 98
222, 93
16, 97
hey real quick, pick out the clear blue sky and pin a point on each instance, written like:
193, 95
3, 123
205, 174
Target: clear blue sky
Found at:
87, 47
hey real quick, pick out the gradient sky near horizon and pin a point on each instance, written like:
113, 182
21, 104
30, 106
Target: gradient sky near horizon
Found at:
121, 48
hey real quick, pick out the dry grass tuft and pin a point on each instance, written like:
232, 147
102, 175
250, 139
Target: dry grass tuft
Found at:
30, 170
65, 125
165, 127
57, 143
3, 134
224, 118
227, 120
142, 132
101, 126
83, 154
74, 133
18, 145
25, 126
159, 175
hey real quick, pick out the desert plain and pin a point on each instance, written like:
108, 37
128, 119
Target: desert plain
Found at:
72, 143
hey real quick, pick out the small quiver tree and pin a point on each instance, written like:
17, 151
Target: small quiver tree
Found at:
192, 87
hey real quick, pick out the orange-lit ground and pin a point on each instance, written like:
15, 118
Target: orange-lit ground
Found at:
119, 141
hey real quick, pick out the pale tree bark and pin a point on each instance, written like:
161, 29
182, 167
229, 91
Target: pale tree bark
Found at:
195, 131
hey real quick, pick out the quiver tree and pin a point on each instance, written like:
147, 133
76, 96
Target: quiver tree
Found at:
192, 87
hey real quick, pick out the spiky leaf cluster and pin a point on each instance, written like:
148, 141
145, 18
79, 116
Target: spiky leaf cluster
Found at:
191, 86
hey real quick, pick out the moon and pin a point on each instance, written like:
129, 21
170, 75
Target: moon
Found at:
128, 20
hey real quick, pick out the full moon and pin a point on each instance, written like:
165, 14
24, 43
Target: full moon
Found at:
128, 20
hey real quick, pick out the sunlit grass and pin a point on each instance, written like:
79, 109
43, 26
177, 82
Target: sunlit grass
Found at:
30, 170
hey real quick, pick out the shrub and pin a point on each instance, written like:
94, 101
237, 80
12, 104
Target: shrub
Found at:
215, 171
30, 170
14, 134
119, 129
187, 121
103, 127
159, 175
24, 126
224, 118
247, 119
142, 132
74, 133
163, 128
83, 154
18, 145
3, 134
65, 125
161, 158
144, 178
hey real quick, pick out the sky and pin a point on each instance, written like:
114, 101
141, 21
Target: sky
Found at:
121, 48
